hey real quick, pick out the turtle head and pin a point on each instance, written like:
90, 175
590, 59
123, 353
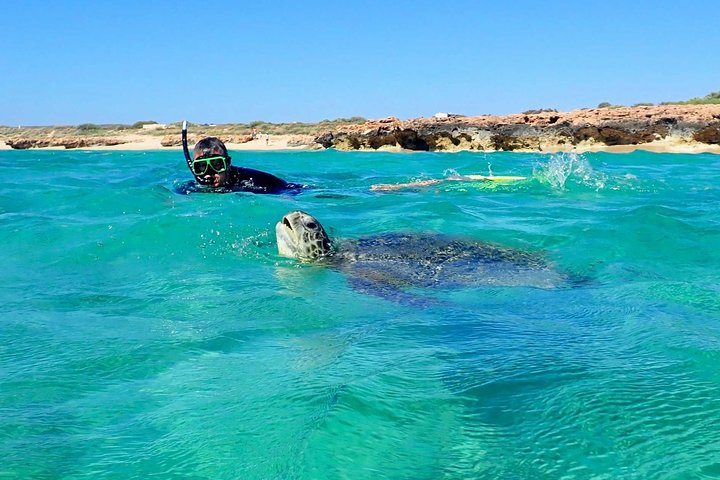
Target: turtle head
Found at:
300, 235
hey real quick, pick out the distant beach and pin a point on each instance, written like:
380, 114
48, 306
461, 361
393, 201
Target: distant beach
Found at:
138, 142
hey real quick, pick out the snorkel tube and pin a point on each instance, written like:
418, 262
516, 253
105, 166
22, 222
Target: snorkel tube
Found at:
183, 135
188, 158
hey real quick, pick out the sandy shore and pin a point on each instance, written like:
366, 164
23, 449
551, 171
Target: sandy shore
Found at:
138, 142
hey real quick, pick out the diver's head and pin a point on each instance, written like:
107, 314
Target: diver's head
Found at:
211, 163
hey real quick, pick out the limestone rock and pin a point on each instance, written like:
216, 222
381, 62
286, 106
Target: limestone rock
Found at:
535, 130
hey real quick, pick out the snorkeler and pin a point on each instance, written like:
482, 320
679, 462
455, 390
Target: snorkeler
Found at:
210, 165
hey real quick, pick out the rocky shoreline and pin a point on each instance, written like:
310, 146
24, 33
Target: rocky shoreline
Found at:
661, 128
691, 128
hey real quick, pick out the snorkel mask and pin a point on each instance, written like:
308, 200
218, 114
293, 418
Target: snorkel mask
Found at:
202, 166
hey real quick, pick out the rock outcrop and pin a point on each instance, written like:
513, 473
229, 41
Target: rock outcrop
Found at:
544, 130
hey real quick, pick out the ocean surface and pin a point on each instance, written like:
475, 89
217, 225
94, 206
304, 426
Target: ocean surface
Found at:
146, 333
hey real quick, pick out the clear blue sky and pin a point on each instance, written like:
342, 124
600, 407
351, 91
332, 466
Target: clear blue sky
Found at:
77, 61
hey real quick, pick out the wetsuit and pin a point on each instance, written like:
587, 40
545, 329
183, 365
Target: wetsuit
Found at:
242, 179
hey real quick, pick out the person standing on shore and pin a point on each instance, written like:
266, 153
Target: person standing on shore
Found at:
211, 167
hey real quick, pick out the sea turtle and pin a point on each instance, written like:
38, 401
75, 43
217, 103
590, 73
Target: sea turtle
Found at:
390, 264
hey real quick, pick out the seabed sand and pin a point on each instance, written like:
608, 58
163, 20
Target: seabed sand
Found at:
283, 142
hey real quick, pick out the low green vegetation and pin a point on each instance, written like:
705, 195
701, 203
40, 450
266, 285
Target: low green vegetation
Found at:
88, 128
711, 98
235, 129
539, 110
608, 105
262, 127
143, 122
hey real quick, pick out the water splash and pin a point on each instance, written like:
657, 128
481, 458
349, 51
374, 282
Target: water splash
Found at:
564, 169
451, 173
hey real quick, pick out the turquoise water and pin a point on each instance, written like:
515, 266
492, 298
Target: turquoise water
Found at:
148, 334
